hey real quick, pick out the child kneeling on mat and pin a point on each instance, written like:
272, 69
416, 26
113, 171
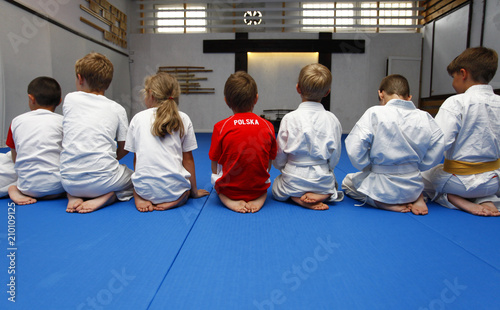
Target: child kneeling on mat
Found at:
162, 138
469, 178
242, 148
35, 139
94, 129
391, 144
309, 145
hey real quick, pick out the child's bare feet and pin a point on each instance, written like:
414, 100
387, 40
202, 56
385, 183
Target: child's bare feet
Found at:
313, 206
141, 204
403, 208
419, 207
73, 203
199, 193
483, 209
94, 204
314, 198
18, 197
255, 205
235, 205
491, 207
173, 204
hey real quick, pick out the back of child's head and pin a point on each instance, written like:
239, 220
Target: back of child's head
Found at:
480, 62
164, 89
315, 81
240, 91
395, 84
46, 91
96, 69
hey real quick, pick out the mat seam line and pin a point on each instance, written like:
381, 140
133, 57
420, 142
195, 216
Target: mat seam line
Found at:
178, 252
455, 243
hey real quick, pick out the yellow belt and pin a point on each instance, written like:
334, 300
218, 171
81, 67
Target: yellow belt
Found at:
467, 168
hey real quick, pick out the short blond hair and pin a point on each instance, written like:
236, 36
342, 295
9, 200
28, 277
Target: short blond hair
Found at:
315, 81
96, 69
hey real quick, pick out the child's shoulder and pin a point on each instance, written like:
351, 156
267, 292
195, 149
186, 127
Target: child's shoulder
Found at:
38, 113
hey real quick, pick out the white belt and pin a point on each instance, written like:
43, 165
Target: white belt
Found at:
395, 169
297, 161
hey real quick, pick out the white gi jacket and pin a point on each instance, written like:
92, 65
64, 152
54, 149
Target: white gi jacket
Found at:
309, 147
471, 127
391, 144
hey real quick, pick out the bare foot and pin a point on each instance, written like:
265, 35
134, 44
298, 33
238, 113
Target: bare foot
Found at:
419, 207
199, 193
313, 206
235, 205
141, 204
403, 208
484, 209
491, 207
18, 197
256, 204
314, 198
73, 203
94, 204
173, 204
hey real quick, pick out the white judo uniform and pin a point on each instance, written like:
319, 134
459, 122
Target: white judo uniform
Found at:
471, 126
89, 167
309, 147
159, 174
8, 175
38, 136
391, 144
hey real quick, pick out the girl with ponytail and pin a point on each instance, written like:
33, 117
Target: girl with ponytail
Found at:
162, 138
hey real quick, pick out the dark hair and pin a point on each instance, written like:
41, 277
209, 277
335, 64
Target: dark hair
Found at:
480, 62
240, 91
395, 84
46, 90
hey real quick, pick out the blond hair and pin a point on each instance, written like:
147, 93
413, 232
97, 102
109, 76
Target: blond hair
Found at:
314, 82
240, 91
480, 62
96, 69
164, 89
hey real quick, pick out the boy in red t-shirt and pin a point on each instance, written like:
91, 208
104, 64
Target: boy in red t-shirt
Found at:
242, 149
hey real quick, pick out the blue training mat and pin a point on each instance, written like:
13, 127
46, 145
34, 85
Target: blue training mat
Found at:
204, 256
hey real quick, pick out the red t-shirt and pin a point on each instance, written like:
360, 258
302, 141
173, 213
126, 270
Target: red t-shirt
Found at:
10, 140
243, 144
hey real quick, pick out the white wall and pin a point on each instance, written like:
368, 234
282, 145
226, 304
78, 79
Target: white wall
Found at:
150, 51
32, 47
356, 77
446, 37
68, 12
492, 33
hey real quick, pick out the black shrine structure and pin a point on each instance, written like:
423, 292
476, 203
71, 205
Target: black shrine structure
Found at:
324, 45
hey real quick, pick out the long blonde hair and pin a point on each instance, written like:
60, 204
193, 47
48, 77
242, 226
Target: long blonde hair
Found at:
165, 90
